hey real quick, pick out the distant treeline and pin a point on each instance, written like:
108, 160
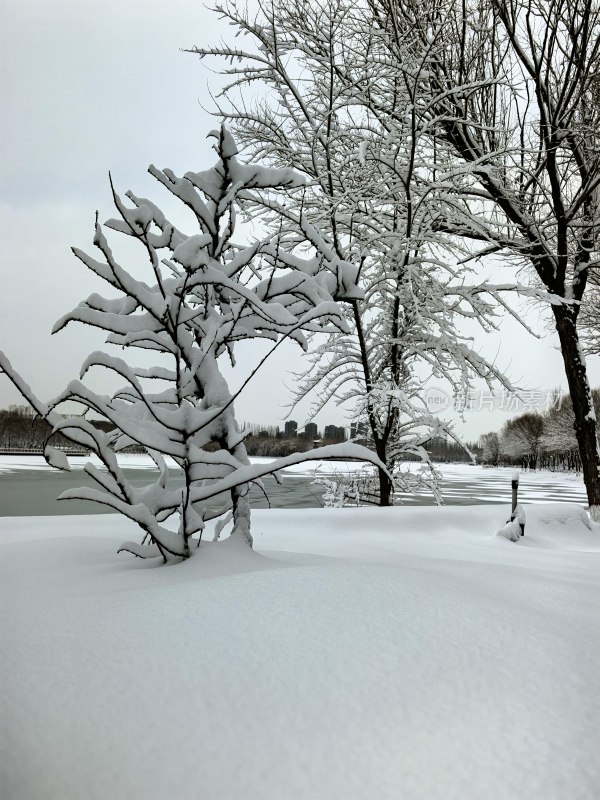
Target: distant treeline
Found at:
538, 440
277, 447
446, 451
22, 429
273, 442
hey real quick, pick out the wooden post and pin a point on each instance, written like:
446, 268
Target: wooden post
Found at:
515, 491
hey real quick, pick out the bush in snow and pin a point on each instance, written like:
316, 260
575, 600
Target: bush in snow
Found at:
511, 531
205, 294
359, 488
345, 488
335, 494
515, 527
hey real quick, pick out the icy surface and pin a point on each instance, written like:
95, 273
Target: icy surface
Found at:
462, 484
358, 653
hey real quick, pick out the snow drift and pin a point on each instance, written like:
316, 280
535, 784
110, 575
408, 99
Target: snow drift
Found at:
356, 653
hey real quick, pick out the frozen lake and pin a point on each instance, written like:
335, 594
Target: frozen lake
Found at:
28, 487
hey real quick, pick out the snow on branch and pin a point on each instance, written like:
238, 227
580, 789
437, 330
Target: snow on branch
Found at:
205, 294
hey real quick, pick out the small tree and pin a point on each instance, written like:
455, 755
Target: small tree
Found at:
205, 295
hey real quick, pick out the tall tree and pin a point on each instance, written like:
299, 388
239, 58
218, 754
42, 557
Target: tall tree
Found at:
490, 448
203, 297
512, 90
559, 424
522, 438
332, 106
589, 320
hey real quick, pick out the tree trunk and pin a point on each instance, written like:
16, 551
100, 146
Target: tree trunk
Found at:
385, 489
385, 485
583, 408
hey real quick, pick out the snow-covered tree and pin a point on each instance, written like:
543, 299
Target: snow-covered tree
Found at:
559, 424
521, 439
490, 448
589, 320
559, 427
204, 294
334, 107
511, 88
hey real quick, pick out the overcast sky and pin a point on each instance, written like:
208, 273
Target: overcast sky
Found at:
87, 87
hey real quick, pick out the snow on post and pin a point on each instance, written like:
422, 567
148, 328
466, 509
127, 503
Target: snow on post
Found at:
202, 294
515, 490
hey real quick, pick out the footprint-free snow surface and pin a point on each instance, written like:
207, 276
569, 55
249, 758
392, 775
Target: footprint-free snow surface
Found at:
403, 653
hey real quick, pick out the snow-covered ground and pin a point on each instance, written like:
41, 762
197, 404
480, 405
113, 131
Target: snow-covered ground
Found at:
356, 653
13, 463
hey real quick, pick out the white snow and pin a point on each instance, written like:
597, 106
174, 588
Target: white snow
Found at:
357, 653
510, 531
12, 463
519, 513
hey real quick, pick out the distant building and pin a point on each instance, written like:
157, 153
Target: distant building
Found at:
311, 431
335, 433
291, 429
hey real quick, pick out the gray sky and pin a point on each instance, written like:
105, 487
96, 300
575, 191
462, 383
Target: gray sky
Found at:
87, 87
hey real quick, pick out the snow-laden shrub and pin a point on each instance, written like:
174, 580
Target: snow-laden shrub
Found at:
513, 530
510, 531
335, 494
361, 487
203, 294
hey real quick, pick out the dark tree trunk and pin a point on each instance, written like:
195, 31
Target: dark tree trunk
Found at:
385, 484
583, 408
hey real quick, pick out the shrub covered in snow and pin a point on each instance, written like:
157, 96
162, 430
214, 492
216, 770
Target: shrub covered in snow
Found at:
205, 294
515, 526
510, 531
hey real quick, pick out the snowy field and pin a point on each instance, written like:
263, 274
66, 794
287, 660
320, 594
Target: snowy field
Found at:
356, 654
